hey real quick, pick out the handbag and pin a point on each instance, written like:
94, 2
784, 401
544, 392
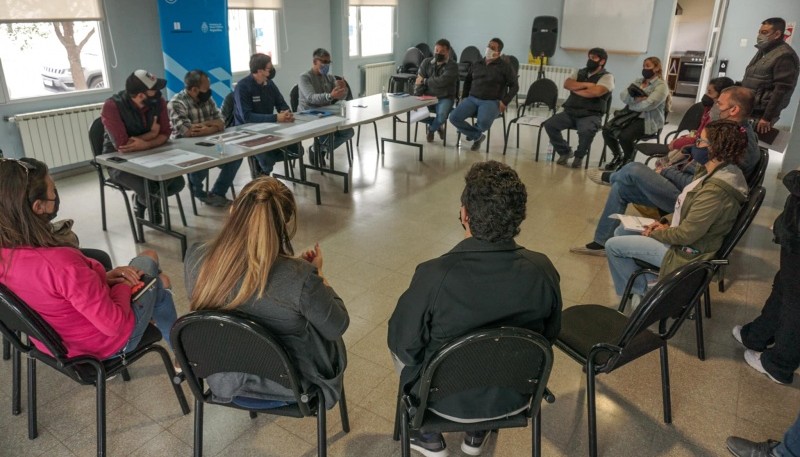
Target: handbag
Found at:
620, 121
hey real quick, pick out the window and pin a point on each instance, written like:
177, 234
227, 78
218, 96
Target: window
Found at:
370, 30
251, 31
51, 47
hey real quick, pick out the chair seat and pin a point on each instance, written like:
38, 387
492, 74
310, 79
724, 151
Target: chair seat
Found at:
653, 149
583, 326
642, 264
435, 423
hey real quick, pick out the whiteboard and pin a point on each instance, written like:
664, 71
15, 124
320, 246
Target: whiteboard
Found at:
618, 26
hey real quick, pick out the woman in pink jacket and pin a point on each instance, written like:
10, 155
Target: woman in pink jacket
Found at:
88, 307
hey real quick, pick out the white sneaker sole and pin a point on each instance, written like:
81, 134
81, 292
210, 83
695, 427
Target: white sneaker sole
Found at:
428, 452
473, 450
753, 359
586, 251
737, 334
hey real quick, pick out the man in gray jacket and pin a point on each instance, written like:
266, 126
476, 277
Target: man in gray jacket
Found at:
438, 77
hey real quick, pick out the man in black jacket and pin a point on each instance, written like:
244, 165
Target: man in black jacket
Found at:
488, 89
486, 280
438, 76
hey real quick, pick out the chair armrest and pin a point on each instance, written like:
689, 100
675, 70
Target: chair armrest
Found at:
629, 286
597, 349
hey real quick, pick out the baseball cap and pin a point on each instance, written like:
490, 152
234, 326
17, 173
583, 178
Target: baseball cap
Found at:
142, 80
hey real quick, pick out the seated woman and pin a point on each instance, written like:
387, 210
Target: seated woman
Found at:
250, 267
704, 213
650, 101
89, 308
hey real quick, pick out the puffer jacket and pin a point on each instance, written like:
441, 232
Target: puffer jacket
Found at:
787, 226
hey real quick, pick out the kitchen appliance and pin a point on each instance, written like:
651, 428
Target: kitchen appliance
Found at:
690, 68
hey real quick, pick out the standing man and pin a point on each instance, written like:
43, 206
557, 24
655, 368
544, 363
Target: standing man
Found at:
318, 88
135, 119
488, 89
438, 76
772, 74
194, 113
486, 280
256, 98
589, 90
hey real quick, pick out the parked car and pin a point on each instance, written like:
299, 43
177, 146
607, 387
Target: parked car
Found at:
58, 77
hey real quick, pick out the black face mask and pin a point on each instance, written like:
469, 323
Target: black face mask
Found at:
153, 101
56, 204
440, 57
707, 101
647, 74
591, 65
203, 97
272, 74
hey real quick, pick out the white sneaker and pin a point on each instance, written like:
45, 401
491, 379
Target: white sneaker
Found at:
473, 445
636, 300
753, 359
737, 334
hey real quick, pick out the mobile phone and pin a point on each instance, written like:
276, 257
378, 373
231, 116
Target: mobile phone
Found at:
117, 159
204, 143
145, 283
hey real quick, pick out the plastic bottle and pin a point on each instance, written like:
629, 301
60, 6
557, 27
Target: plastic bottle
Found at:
549, 155
384, 97
221, 145
343, 109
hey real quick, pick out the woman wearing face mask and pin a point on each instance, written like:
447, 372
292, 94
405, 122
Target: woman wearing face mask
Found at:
647, 96
89, 308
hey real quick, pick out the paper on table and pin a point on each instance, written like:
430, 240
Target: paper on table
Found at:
175, 157
262, 127
302, 127
420, 114
633, 223
229, 136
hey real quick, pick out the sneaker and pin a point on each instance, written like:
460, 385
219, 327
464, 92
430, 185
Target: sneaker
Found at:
428, 444
139, 210
577, 162
636, 300
564, 158
429, 137
215, 200
441, 132
741, 447
753, 359
596, 176
474, 442
737, 334
592, 248
476, 145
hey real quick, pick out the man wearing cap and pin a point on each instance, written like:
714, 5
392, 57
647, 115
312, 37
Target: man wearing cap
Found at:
136, 119
194, 113
256, 98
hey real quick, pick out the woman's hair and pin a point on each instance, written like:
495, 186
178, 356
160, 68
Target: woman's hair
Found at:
659, 71
727, 141
22, 182
495, 199
721, 83
237, 262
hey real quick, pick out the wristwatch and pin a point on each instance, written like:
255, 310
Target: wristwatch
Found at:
328, 97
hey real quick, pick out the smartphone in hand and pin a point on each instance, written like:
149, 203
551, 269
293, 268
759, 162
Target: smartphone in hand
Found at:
145, 283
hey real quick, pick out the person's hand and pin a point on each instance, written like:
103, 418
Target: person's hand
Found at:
655, 226
134, 144
285, 116
339, 92
763, 126
124, 275
314, 257
419, 80
156, 127
501, 107
197, 130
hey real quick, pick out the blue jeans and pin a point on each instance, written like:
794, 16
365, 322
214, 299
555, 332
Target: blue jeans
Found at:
790, 446
586, 126
485, 111
156, 304
443, 108
339, 137
221, 185
267, 160
634, 183
626, 246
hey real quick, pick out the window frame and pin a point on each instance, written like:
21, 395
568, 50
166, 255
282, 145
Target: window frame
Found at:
251, 34
360, 35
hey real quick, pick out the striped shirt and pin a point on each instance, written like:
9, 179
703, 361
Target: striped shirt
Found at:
184, 111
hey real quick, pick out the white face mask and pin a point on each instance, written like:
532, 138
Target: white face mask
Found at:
490, 53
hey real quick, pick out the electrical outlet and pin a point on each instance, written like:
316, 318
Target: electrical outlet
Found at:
743, 43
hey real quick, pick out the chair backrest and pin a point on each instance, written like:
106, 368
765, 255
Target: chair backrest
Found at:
97, 136
294, 98
507, 357
17, 317
208, 342
542, 91
470, 54
514, 62
756, 177
347, 84
743, 221
227, 109
453, 57
424, 49
672, 298
691, 118
411, 60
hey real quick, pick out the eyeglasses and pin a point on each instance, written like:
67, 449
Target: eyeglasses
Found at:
25, 165
324, 62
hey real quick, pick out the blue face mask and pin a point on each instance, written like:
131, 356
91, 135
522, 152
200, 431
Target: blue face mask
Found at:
325, 69
700, 155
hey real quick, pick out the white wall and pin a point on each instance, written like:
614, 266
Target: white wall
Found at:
692, 27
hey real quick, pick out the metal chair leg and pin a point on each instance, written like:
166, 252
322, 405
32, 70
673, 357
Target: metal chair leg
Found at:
398, 417
253, 414
665, 385
592, 412
698, 323
6, 349
33, 431
128, 208
198, 427
322, 441
192, 197
722, 278
16, 381
101, 413
343, 413
405, 443
707, 301
125, 375
537, 433
180, 210
103, 202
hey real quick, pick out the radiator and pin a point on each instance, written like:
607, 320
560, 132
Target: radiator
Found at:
529, 73
376, 76
58, 137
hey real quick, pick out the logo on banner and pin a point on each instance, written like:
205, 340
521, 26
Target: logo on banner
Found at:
176, 26
171, 2
204, 27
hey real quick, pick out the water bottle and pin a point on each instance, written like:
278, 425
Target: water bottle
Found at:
221, 145
548, 157
343, 109
384, 97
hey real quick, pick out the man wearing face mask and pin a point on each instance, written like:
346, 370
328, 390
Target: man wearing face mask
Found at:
256, 98
771, 74
438, 77
637, 184
135, 120
194, 113
589, 89
488, 89
319, 87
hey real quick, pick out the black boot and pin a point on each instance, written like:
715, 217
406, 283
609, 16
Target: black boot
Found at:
615, 164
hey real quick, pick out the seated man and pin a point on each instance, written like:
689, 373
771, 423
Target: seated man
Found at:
635, 183
255, 99
438, 76
135, 119
488, 89
317, 88
589, 89
517, 287
194, 113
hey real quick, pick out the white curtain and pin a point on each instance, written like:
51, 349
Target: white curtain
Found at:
50, 10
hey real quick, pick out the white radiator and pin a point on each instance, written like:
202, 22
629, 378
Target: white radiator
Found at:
529, 73
58, 137
376, 76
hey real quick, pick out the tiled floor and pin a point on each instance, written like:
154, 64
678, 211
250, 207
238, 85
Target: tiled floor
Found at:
399, 213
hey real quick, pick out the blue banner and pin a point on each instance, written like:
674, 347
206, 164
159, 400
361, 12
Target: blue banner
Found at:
194, 35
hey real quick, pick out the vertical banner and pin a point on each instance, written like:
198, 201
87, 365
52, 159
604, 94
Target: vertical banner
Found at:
194, 35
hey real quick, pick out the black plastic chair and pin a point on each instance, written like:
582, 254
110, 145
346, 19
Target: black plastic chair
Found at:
424, 49
17, 318
603, 339
542, 91
228, 106
690, 121
469, 55
514, 358
403, 80
208, 342
756, 177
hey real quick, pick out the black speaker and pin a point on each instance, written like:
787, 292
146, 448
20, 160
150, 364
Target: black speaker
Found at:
543, 36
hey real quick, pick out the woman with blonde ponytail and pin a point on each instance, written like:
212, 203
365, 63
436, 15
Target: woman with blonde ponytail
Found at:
250, 267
